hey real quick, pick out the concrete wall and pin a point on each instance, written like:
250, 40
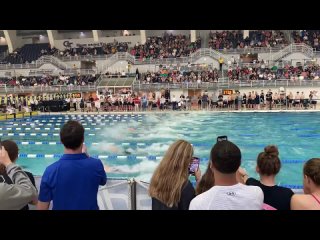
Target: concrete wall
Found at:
296, 57
118, 33
208, 60
34, 40
74, 35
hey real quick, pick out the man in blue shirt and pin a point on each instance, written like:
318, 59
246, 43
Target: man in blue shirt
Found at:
72, 182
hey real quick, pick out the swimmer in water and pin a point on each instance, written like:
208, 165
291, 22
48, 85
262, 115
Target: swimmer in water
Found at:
109, 169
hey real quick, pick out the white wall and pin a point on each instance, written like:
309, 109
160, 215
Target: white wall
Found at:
29, 40
20, 72
207, 60
74, 35
296, 57
118, 33
48, 66
119, 67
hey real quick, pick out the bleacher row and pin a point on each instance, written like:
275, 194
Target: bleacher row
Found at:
48, 80
169, 45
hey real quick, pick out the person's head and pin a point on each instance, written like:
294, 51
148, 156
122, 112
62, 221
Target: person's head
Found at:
268, 162
206, 182
13, 151
225, 157
311, 172
72, 135
172, 173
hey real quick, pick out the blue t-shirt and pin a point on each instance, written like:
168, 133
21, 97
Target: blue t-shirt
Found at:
72, 182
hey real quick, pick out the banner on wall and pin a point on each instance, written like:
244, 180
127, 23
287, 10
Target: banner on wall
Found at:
69, 44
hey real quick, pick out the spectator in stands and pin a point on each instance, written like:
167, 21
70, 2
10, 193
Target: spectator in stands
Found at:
13, 151
170, 188
14, 196
72, 182
227, 193
221, 61
268, 166
310, 200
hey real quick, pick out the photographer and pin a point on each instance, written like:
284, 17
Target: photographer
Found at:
227, 193
170, 188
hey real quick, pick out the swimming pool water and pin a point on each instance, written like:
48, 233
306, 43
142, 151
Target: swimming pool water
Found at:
134, 143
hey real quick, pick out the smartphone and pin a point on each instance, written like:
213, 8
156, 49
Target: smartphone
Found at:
2, 180
222, 138
194, 165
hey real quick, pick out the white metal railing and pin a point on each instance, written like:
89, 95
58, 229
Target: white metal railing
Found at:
125, 56
55, 88
222, 83
293, 48
225, 82
42, 60
252, 50
84, 57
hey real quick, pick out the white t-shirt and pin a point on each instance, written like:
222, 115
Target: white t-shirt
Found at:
235, 197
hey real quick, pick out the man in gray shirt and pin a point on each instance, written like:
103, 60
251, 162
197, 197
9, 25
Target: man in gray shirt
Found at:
15, 196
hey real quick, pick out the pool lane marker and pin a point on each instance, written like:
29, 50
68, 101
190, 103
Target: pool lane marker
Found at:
37, 134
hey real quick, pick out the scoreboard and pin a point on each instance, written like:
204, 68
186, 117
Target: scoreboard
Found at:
227, 92
76, 95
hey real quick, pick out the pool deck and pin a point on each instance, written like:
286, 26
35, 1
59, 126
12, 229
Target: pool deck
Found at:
177, 112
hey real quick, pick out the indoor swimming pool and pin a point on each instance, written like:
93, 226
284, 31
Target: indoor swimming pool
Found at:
133, 144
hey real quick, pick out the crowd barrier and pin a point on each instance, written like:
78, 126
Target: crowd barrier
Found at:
129, 194
119, 194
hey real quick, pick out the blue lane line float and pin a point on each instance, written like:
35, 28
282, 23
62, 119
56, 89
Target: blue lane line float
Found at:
131, 157
152, 157
292, 186
309, 135
292, 161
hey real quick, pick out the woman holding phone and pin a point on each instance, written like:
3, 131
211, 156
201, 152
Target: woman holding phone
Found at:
170, 188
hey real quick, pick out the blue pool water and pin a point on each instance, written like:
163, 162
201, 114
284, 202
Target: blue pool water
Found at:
134, 144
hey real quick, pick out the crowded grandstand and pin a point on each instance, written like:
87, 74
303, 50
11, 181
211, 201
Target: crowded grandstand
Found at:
174, 118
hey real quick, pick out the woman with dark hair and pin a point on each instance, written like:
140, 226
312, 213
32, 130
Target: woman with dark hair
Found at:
310, 200
13, 151
206, 182
268, 166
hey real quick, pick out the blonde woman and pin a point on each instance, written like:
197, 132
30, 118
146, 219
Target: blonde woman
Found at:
170, 188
